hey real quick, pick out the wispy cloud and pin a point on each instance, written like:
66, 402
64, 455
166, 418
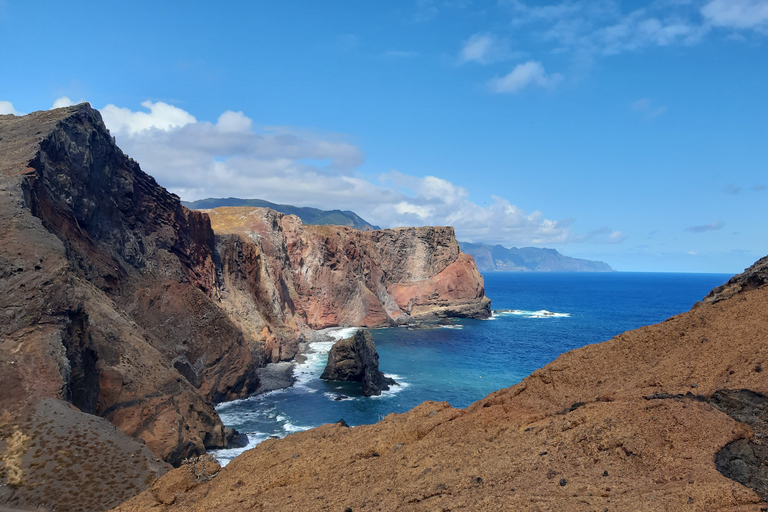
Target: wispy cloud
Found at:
758, 188
737, 14
647, 109
706, 227
236, 157
425, 10
602, 27
347, 42
484, 48
525, 75
732, 189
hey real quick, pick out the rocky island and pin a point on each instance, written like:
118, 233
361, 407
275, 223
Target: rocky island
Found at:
126, 316
355, 359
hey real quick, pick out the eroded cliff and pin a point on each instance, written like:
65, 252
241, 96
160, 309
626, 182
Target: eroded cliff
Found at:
666, 417
322, 276
119, 302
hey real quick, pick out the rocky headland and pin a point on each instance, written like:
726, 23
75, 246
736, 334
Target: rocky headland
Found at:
119, 303
497, 258
670, 416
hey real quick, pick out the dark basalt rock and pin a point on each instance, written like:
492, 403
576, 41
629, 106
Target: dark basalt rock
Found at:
355, 359
744, 460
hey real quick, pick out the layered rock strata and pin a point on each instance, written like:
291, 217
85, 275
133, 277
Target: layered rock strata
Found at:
323, 276
355, 359
666, 417
119, 301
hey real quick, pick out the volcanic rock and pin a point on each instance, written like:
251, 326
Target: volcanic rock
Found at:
355, 359
306, 276
618, 422
118, 300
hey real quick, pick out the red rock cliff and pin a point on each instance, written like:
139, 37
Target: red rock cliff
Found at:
321, 276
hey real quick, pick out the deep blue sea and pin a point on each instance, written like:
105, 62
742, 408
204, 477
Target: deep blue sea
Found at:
546, 315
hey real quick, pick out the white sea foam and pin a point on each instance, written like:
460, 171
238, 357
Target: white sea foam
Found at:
393, 390
542, 313
291, 428
338, 397
226, 455
452, 326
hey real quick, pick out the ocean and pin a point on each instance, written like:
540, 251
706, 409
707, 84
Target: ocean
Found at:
537, 316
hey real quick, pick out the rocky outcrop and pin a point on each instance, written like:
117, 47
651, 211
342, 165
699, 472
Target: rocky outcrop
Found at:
118, 300
665, 417
355, 359
322, 276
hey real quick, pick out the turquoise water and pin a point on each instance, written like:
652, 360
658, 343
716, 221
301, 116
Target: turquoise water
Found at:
547, 314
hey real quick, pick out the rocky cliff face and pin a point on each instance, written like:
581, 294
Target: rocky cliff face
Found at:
101, 268
321, 276
119, 301
667, 417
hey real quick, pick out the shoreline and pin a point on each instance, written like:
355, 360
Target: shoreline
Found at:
280, 375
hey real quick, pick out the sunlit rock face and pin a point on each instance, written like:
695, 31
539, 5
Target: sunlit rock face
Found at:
124, 304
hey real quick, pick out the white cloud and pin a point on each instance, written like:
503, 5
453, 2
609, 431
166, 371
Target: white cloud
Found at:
484, 48
64, 101
233, 158
161, 116
6, 107
647, 109
530, 73
737, 14
233, 122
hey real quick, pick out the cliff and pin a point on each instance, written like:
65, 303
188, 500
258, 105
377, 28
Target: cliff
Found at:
666, 417
118, 302
496, 258
322, 276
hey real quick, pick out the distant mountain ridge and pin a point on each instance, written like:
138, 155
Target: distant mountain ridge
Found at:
491, 258
312, 216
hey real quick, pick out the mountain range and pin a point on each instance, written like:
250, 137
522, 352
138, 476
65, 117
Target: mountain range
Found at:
493, 258
313, 216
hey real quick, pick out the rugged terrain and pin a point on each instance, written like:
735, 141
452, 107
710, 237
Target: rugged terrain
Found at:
322, 276
118, 302
666, 417
496, 258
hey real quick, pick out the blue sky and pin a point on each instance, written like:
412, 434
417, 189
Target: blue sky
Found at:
631, 132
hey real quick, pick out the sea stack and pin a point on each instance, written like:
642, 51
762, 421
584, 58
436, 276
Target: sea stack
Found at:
355, 359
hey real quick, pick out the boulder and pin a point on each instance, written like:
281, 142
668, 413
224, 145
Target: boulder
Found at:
355, 359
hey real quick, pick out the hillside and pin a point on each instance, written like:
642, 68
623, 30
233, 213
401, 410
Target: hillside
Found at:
667, 417
496, 258
311, 216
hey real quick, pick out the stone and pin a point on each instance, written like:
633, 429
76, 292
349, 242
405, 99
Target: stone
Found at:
355, 359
